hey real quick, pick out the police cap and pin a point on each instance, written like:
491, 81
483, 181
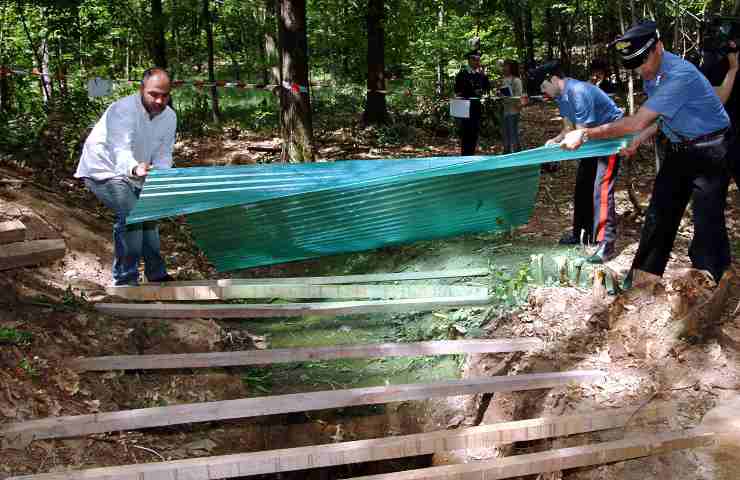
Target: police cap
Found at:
636, 43
538, 75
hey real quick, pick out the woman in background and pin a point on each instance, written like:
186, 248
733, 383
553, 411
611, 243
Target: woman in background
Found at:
512, 87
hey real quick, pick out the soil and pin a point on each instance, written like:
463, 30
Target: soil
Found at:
53, 304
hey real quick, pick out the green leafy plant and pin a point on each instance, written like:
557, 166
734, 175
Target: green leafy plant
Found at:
258, 379
11, 336
510, 289
72, 300
28, 367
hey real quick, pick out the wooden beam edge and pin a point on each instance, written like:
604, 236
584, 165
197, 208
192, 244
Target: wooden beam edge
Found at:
77, 425
170, 310
302, 458
635, 446
287, 355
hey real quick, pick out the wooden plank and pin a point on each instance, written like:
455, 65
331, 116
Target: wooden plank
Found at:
11, 232
333, 280
166, 292
170, 310
34, 252
637, 446
303, 458
71, 426
284, 355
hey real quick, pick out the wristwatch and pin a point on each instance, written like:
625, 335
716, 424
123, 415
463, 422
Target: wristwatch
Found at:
584, 137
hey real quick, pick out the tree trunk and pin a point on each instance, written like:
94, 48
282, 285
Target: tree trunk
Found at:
440, 67
528, 32
375, 110
5, 102
295, 100
549, 32
208, 21
176, 38
513, 10
159, 47
272, 72
45, 77
4, 93
564, 41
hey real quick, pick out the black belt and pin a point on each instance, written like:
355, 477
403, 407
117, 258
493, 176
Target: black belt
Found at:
702, 141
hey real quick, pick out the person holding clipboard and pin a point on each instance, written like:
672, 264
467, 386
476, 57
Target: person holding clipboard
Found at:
470, 85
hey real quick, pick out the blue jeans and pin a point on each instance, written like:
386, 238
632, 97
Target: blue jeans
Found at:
131, 242
510, 133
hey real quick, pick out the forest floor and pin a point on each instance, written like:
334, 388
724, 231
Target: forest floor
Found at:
53, 305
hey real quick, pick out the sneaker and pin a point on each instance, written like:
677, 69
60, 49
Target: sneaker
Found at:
126, 283
602, 254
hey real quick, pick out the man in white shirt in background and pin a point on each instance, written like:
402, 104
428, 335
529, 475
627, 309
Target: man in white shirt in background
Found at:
134, 135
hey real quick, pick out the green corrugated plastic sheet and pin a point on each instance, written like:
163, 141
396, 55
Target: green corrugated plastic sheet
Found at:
247, 216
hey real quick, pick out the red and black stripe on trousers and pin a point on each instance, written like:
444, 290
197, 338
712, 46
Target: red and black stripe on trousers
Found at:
594, 211
701, 175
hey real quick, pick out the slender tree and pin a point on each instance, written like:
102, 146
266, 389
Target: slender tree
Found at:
158, 45
375, 108
295, 100
271, 72
208, 22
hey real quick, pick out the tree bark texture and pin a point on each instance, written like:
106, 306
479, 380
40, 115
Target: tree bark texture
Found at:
158, 46
208, 22
375, 109
514, 11
295, 100
528, 32
270, 47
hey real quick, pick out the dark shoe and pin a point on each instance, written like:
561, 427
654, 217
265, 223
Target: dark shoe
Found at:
602, 255
570, 239
127, 283
166, 278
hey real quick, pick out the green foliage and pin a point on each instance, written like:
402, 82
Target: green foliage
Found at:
74, 301
257, 379
27, 366
510, 289
11, 336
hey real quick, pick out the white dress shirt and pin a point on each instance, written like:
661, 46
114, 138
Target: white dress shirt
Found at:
125, 136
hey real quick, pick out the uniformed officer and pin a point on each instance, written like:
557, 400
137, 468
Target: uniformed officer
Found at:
471, 83
684, 108
583, 105
722, 74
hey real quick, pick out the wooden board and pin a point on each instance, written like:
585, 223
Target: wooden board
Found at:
333, 280
11, 232
303, 458
72, 426
34, 252
283, 355
167, 292
285, 309
561, 459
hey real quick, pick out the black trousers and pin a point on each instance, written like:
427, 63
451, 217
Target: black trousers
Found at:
470, 129
733, 158
594, 209
700, 173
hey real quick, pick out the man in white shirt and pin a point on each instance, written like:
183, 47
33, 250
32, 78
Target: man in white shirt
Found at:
134, 135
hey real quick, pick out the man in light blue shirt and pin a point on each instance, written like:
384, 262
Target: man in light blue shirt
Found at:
683, 108
594, 214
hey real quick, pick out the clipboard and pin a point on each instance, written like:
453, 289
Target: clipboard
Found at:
459, 108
